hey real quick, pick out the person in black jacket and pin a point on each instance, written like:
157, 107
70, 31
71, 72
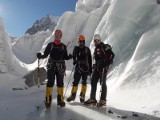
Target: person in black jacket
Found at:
83, 67
55, 67
103, 56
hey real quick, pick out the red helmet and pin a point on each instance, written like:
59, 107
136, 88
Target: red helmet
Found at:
58, 32
81, 38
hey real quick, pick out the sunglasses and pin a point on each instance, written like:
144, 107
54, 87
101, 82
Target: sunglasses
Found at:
81, 41
58, 35
96, 40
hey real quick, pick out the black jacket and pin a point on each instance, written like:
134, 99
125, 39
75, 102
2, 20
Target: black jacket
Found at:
82, 54
56, 52
103, 53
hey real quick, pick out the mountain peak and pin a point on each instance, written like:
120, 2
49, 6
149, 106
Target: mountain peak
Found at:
47, 23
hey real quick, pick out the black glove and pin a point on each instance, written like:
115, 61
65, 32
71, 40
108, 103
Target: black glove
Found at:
75, 62
94, 66
90, 70
39, 55
111, 62
70, 56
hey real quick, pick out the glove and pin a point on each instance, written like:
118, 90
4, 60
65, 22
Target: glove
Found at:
39, 55
70, 56
111, 62
94, 66
75, 62
90, 70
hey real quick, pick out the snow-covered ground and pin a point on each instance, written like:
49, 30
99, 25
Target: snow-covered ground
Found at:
130, 27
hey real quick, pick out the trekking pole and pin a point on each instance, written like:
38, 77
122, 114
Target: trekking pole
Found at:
38, 72
72, 45
69, 81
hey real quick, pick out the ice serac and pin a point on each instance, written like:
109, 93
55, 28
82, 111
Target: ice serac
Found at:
131, 29
84, 20
8, 62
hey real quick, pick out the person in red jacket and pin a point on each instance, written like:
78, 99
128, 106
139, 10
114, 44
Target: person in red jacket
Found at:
57, 52
103, 56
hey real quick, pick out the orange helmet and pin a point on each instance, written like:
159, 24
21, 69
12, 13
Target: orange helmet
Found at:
81, 38
58, 32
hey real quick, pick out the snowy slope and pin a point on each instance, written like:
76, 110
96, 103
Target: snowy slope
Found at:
26, 47
132, 28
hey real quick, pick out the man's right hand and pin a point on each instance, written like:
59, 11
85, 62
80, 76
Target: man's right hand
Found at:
39, 55
70, 56
75, 62
90, 70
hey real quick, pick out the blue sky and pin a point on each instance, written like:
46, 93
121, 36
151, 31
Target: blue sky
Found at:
19, 15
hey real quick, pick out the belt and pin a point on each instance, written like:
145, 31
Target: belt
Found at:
57, 61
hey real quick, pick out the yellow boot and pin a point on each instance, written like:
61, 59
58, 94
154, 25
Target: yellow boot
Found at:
73, 94
83, 93
48, 96
60, 99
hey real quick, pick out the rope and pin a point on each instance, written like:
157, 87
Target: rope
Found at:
81, 62
60, 67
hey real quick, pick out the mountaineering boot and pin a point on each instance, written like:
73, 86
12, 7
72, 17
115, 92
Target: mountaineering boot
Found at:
48, 97
60, 99
90, 102
71, 97
48, 105
83, 92
81, 98
73, 94
101, 103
